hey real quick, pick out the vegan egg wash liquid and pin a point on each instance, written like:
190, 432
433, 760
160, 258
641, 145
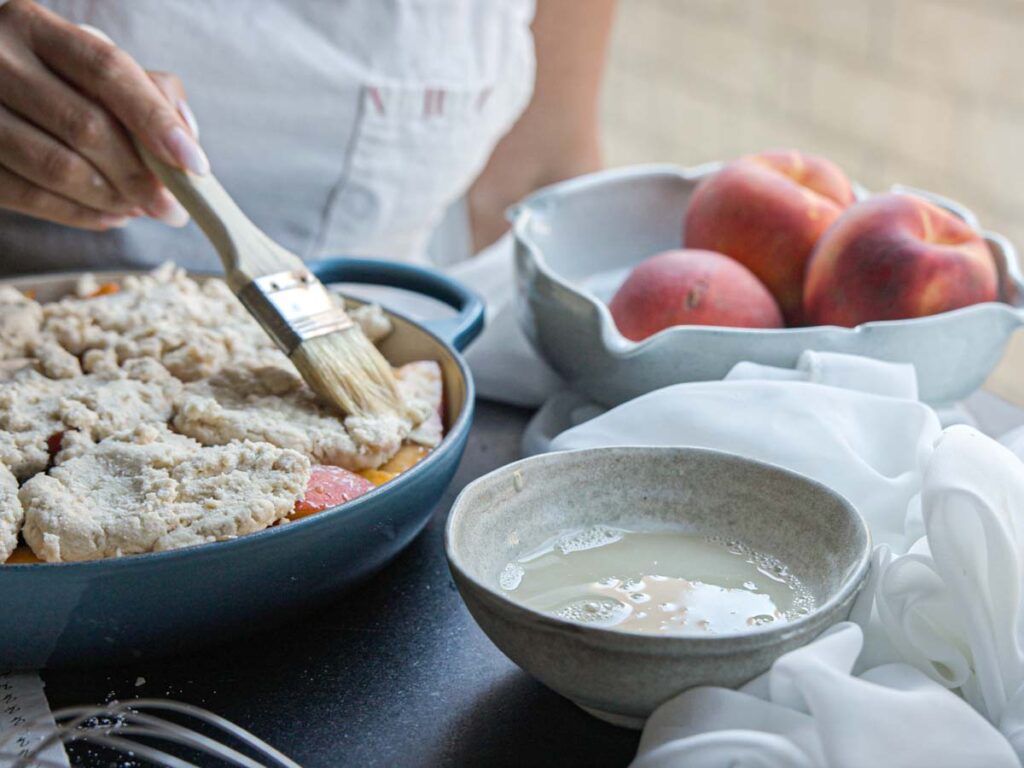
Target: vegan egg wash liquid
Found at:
657, 582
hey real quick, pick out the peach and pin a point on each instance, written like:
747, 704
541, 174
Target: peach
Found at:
328, 487
767, 211
408, 456
896, 256
22, 556
691, 287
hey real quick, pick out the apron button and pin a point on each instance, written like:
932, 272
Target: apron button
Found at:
358, 201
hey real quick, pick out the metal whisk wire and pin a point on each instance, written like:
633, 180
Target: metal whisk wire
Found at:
113, 726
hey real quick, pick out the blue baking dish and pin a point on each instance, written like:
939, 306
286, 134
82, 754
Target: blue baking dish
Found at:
105, 611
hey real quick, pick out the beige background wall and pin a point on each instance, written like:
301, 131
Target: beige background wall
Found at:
923, 92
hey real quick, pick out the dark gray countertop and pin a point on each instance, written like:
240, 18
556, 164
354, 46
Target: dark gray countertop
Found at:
393, 673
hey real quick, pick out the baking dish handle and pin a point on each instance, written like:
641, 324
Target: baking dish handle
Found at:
458, 331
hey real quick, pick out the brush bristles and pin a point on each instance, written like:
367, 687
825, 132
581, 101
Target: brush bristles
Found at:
345, 369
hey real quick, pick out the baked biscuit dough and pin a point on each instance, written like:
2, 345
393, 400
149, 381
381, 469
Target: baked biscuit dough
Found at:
422, 382
20, 318
33, 408
53, 361
11, 514
274, 405
150, 490
376, 326
102, 376
195, 329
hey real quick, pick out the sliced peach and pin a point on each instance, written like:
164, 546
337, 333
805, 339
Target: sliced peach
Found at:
408, 456
22, 556
328, 487
378, 477
105, 289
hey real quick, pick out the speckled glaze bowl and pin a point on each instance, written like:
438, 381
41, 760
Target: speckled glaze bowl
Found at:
577, 240
621, 676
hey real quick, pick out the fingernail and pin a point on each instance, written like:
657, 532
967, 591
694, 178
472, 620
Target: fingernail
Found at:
190, 119
112, 221
184, 149
175, 216
169, 211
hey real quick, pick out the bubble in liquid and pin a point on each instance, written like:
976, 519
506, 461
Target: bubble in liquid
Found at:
773, 569
668, 607
639, 597
803, 602
738, 548
596, 536
511, 577
605, 611
760, 620
609, 581
749, 585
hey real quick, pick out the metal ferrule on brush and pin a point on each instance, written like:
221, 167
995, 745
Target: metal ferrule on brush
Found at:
293, 307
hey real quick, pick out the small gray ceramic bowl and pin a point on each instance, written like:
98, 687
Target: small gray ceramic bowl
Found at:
622, 676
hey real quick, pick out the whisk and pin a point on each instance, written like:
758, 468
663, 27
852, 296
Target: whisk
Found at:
130, 729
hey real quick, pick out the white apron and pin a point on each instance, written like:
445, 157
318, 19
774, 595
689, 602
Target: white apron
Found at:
339, 126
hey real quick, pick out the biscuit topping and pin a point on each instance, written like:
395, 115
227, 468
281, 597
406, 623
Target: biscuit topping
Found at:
156, 413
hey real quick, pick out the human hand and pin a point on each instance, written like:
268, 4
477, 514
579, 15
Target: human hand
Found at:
69, 104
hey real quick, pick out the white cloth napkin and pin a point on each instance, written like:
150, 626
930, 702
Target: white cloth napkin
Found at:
837, 370
809, 712
868, 447
952, 606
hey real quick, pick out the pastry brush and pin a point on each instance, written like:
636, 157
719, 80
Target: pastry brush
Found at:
330, 350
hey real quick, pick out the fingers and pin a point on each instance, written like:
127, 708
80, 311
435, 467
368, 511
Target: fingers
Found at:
86, 128
18, 194
114, 78
64, 152
47, 163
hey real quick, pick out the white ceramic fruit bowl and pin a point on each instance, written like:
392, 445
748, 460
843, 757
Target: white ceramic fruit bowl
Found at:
576, 241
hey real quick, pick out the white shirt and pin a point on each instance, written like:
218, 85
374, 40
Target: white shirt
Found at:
341, 127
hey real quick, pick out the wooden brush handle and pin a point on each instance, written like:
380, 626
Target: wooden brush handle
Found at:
246, 252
